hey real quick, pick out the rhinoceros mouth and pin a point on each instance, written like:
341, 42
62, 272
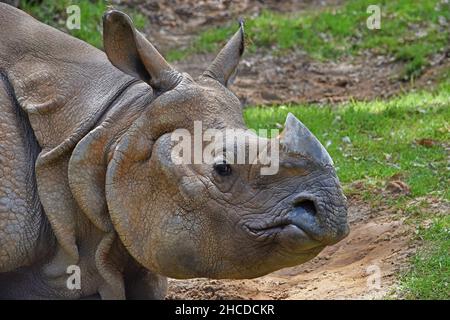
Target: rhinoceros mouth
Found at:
299, 229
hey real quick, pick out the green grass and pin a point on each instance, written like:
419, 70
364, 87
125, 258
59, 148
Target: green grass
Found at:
54, 13
410, 31
429, 276
383, 137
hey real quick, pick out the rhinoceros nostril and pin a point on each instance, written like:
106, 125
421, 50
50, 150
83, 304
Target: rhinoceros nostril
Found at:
306, 204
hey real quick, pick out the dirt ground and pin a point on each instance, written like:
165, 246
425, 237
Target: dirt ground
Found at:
267, 79
380, 240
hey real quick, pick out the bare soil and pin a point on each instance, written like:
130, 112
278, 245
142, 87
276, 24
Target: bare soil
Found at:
265, 79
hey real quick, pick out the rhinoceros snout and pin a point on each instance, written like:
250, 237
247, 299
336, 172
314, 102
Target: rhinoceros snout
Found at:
325, 223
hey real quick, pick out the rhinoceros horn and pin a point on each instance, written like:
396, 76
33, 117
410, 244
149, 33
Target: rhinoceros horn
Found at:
297, 139
227, 60
129, 51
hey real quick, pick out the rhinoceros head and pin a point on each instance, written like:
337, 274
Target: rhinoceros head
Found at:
217, 218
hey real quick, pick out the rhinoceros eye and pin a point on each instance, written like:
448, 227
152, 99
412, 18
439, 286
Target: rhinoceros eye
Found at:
222, 168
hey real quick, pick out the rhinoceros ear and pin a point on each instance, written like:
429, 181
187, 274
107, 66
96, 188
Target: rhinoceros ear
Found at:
132, 53
226, 62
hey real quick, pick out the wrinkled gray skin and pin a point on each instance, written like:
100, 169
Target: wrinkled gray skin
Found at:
87, 178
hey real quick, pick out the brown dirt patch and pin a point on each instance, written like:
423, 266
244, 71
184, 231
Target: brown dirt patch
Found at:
265, 79
295, 78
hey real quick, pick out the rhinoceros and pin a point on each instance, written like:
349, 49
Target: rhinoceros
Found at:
92, 203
